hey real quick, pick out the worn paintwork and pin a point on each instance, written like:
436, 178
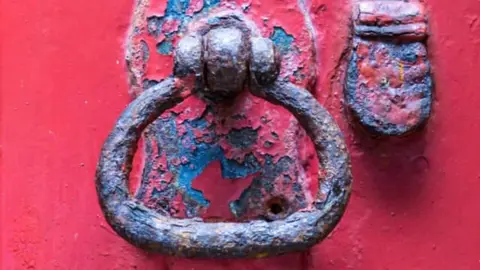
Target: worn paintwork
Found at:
414, 201
154, 231
213, 61
260, 147
388, 86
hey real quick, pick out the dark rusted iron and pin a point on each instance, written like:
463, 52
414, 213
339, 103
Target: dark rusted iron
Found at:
225, 74
389, 86
225, 161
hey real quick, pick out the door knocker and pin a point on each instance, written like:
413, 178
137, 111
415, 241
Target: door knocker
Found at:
218, 60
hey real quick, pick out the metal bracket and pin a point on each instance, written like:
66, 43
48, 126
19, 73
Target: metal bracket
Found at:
389, 83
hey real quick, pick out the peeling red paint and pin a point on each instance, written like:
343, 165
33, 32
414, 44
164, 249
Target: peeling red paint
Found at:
401, 109
382, 14
389, 81
220, 192
194, 7
278, 136
406, 195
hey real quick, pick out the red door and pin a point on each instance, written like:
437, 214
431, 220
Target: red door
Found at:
64, 81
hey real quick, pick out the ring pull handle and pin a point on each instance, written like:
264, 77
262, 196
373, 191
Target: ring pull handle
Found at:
221, 61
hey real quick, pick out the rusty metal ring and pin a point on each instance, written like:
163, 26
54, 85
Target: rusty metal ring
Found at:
153, 231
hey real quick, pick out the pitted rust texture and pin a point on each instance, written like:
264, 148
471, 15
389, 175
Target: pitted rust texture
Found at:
152, 230
226, 56
389, 84
265, 63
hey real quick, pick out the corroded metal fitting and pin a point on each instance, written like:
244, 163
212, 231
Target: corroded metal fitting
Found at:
389, 82
223, 57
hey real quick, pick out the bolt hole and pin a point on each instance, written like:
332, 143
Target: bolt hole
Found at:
276, 208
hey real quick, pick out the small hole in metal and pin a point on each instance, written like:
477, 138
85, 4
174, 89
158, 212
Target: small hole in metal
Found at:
276, 208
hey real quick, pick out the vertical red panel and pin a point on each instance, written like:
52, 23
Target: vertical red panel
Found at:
63, 82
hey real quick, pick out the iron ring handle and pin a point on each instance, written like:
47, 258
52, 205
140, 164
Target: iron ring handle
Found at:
153, 231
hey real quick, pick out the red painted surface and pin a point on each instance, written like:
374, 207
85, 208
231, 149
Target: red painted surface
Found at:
63, 83
275, 134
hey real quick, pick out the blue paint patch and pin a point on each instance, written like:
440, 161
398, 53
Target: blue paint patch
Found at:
213, 21
282, 40
208, 4
199, 155
198, 161
165, 47
198, 123
176, 8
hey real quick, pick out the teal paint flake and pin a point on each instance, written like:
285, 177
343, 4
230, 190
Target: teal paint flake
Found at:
199, 155
282, 40
165, 47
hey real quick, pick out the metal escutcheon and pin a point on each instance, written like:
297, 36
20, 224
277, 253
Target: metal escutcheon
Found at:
219, 60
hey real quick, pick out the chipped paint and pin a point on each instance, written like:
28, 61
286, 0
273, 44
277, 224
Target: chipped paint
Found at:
165, 47
389, 83
282, 40
292, 230
270, 135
